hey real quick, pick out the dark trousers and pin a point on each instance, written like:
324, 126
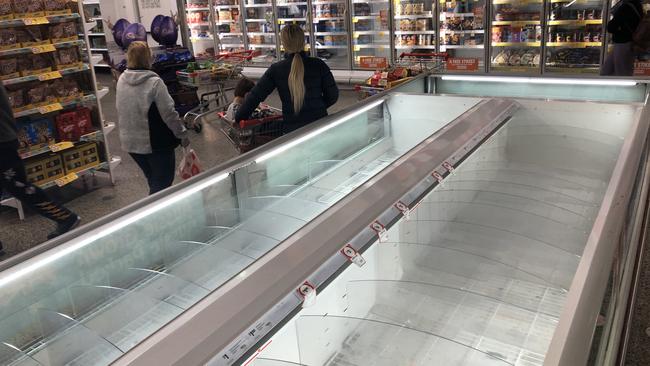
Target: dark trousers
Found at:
158, 167
620, 62
14, 180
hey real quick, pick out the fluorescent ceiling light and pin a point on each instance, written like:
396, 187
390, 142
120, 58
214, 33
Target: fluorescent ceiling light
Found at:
300, 140
554, 81
46, 258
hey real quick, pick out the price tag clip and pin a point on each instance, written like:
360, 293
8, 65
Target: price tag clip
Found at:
43, 49
66, 179
404, 209
307, 292
381, 231
353, 256
61, 146
50, 108
50, 76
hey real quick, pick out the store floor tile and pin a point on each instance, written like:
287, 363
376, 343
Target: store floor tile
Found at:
95, 197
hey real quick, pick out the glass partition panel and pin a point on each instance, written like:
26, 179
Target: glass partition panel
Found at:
331, 34
479, 272
370, 34
116, 284
623, 92
260, 30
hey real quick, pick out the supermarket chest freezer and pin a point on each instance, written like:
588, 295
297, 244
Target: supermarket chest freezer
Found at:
498, 220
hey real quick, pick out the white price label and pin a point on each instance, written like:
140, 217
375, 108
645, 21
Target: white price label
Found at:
353, 256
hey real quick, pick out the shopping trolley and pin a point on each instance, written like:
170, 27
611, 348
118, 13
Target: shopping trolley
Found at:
249, 134
217, 79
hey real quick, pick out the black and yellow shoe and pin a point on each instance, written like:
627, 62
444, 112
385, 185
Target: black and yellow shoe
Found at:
64, 226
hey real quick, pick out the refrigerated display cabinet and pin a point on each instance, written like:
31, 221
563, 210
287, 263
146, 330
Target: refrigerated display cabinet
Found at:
516, 36
485, 210
371, 45
575, 33
229, 24
414, 27
462, 34
330, 30
200, 28
294, 12
259, 25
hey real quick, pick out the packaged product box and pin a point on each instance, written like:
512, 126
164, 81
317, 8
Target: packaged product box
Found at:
9, 68
8, 39
63, 32
66, 58
66, 127
57, 7
34, 64
17, 99
36, 134
6, 11
80, 158
42, 170
32, 36
28, 8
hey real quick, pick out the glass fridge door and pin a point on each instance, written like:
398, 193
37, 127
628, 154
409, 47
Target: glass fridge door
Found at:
516, 36
413, 26
229, 29
331, 32
370, 33
462, 34
294, 12
200, 26
258, 22
574, 37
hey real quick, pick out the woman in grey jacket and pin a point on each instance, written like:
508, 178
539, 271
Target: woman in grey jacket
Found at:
150, 127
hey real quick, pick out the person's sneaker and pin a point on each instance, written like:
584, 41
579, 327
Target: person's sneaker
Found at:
65, 226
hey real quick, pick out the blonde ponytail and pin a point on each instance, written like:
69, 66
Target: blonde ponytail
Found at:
297, 82
293, 39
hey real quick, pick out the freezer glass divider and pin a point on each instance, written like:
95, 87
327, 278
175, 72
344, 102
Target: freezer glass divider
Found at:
330, 30
371, 43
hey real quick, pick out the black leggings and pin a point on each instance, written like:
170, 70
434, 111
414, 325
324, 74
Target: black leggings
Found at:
14, 181
158, 167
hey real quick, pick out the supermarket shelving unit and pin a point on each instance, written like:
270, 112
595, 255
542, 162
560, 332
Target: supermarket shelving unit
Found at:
94, 27
91, 97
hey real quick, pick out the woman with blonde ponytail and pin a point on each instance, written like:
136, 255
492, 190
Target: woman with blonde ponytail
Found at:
305, 84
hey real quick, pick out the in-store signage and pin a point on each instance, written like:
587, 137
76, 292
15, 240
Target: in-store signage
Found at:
370, 62
642, 68
462, 64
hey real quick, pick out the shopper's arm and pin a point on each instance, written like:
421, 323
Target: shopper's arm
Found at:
165, 104
330, 89
262, 89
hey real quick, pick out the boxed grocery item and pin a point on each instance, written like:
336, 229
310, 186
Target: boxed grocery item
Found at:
34, 64
9, 68
67, 57
63, 32
44, 169
57, 7
28, 8
81, 157
17, 100
8, 39
6, 11
74, 124
32, 36
65, 90
36, 134
38, 94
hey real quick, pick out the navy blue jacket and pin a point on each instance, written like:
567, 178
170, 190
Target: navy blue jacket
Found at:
321, 92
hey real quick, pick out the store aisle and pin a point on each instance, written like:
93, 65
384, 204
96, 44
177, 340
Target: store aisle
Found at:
95, 197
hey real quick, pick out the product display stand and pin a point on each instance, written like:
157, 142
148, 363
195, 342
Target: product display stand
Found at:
54, 95
94, 27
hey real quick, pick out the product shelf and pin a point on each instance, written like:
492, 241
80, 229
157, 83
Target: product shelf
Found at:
70, 104
324, 19
63, 145
574, 44
414, 16
575, 22
46, 76
74, 176
399, 33
197, 9
291, 4
356, 34
516, 22
226, 6
258, 5
34, 49
328, 2
460, 47
453, 14
330, 33
516, 44
403, 47
448, 31
49, 19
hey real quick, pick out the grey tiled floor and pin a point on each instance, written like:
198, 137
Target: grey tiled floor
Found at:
96, 197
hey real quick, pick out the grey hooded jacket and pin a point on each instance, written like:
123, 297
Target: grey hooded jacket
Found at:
148, 121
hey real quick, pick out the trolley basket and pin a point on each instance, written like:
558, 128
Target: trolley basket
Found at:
252, 133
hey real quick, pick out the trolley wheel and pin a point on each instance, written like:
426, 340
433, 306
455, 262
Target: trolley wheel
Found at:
198, 127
